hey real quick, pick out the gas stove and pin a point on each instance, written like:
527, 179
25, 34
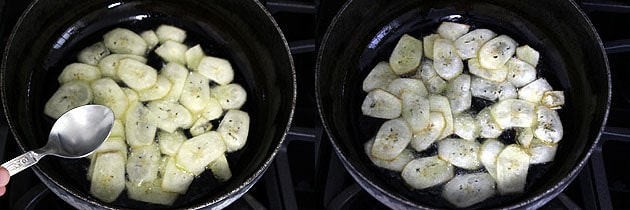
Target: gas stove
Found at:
307, 174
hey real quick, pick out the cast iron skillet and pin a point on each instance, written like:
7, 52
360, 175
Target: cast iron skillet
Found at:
364, 32
50, 32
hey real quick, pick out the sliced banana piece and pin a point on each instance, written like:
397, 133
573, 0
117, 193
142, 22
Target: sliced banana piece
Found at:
415, 110
468, 45
406, 56
150, 37
160, 90
174, 179
496, 75
234, 128
458, 93
113, 144
213, 109
107, 92
196, 92
136, 75
202, 125
493, 91
169, 32
423, 139
143, 164
218, 70
118, 129
553, 99
124, 41
169, 143
220, 167
520, 73
132, 96
541, 152
426, 71
446, 62
70, 95
196, 153
391, 139
487, 125
534, 91
488, 153
438, 103
79, 71
150, 192
469, 189
172, 51
514, 113
512, 168
140, 127
460, 152
397, 164
427, 172
400, 86
428, 42
176, 74
170, 116
528, 54
465, 126
452, 30
194, 56
548, 127
108, 176
93, 53
109, 64
381, 104
496, 52
436, 85
379, 77
230, 96
524, 136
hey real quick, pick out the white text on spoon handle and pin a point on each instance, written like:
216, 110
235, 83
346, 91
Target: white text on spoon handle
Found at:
21, 162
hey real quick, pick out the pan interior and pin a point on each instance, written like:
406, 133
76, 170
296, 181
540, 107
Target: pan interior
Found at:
47, 39
353, 47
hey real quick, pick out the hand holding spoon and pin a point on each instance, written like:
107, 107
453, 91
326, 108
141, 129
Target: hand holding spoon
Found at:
76, 134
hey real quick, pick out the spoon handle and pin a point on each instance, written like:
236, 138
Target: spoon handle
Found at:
21, 162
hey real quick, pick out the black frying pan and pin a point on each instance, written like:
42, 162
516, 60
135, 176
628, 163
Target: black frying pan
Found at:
50, 33
364, 32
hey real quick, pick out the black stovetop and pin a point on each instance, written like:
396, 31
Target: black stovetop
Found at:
308, 175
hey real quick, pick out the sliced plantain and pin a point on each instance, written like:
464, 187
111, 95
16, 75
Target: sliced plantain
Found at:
172, 51
143, 164
170, 116
194, 56
381, 104
397, 164
132, 96
488, 153
458, 93
520, 73
427, 172
400, 86
468, 45
460, 152
196, 153
406, 56
230, 96
452, 30
425, 71
221, 168
175, 180
140, 127
488, 127
391, 139
118, 129
169, 143
202, 125
108, 93
469, 189
446, 62
124, 41
218, 70
135, 74
548, 127
176, 74
493, 91
160, 90
196, 92
79, 71
70, 95
541, 152
512, 168
496, 75
553, 99
496, 52
379, 77
528, 54
113, 144
438, 103
534, 91
427, 42
150, 192
109, 64
169, 32
424, 138
514, 113
436, 85
465, 126
150, 37
108, 176
415, 110
213, 109
234, 128
524, 136
93, 53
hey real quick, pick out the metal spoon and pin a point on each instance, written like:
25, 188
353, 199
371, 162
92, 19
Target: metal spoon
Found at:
76, 134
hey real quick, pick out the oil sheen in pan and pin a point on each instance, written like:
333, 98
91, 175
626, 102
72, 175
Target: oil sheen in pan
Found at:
65, 50
379, 49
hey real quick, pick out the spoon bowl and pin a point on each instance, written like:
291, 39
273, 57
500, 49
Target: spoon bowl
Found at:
76, 134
